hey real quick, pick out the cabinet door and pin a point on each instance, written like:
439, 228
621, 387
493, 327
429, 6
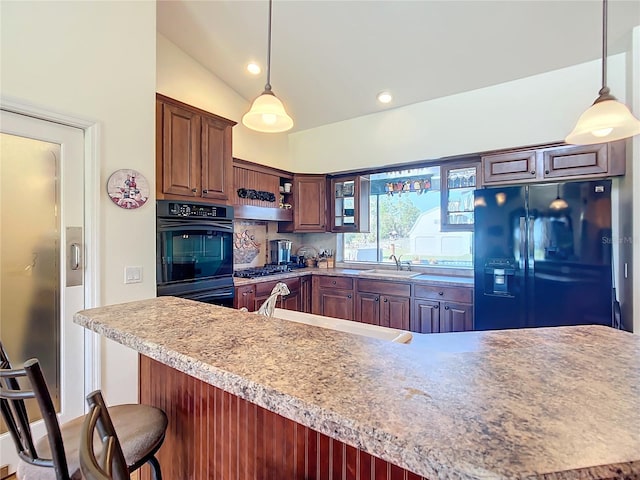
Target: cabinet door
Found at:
245, 297
456, 196
509, 167
217, 167
368, 308
426, 316
591, 160
180, 151
305, 294
456, 317
290, 302
395, 312
349, 209
309, 203
336, 304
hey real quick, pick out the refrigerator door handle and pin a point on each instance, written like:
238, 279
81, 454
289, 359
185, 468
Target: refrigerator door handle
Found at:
523, 234
530, 242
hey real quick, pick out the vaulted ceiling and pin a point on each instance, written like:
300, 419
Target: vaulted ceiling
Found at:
331, 58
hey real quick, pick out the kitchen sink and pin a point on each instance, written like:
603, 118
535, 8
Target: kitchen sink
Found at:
388, 273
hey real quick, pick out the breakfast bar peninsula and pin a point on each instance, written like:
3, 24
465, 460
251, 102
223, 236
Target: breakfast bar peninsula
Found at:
252, 397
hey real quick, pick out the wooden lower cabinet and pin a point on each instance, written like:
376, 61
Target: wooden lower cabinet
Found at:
383, 303
333, 297
245, 297
431, 316
441, 309
213, 434
253, 296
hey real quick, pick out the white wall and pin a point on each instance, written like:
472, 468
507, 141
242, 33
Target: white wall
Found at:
533, 110
179, 76
96, 60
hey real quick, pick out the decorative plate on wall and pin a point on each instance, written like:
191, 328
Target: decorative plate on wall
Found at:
128, 188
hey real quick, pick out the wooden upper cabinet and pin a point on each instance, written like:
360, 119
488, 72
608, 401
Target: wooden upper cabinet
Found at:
601, 160
309, 201
509, 167
178, 155
554, 163
193, 150
217, 169
349, 204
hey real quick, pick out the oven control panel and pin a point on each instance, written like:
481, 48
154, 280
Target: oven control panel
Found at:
179, 209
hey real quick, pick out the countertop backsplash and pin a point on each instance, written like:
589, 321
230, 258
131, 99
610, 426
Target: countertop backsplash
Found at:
251, 242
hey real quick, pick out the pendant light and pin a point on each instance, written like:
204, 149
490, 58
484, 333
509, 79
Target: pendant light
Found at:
267, 113
558, 203
607, 119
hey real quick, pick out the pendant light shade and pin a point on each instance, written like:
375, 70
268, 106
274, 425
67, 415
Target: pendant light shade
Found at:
604, 121
267, 113
607, 119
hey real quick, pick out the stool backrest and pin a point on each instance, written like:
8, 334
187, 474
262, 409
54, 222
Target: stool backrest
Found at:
111, 465
14, 412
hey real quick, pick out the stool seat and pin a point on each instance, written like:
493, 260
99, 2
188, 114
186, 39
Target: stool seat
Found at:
140, 428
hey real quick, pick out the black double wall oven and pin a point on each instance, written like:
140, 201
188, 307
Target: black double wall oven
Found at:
194, 251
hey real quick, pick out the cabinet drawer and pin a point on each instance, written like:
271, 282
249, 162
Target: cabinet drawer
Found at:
336, 282
383, 287
265, 288
435, 292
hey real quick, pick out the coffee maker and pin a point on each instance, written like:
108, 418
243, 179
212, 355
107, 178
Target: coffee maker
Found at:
280, 251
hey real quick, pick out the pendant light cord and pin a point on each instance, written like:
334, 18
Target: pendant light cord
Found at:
267, 87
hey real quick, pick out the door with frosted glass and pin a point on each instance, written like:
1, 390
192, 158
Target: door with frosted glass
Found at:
41, 208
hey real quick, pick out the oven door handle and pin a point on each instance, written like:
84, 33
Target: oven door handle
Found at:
221, 293
165, 225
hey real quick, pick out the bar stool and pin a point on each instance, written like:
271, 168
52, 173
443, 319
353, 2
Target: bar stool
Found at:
141, 428
112, 466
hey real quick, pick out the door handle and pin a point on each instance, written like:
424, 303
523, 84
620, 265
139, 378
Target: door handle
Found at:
74, 256
531, 238
523, 239
74, 246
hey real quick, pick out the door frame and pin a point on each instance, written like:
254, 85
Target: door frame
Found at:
91, 191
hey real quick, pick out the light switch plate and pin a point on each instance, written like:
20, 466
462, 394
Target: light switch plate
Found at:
132, 274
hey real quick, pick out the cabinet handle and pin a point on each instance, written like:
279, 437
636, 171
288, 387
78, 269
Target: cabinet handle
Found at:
446, 307
386, 300
435, 307
334, 282
533, 172
546, 172
244, 294
205, 191
440, 293
194, 190
348, 296
376, 299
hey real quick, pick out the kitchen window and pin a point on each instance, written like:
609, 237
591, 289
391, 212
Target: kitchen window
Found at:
405, 215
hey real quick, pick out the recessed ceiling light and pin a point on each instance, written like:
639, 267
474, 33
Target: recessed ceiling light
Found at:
254, 68
384, 97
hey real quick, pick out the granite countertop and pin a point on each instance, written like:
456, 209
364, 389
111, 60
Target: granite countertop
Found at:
553, 403
445, 280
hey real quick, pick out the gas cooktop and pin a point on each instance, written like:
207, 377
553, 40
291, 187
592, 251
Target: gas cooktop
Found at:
267, 270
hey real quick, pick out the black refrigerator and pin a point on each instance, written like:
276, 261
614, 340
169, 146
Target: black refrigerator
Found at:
542, 255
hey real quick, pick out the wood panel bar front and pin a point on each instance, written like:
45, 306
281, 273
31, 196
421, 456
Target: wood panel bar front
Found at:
215, 435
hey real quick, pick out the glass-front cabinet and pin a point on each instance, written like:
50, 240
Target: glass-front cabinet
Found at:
457, 187
350, 204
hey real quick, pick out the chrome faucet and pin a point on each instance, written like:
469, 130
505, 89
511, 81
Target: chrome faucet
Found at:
397, 260
269, 305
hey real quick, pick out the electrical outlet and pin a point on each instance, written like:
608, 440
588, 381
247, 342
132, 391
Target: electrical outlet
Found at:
132, 274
